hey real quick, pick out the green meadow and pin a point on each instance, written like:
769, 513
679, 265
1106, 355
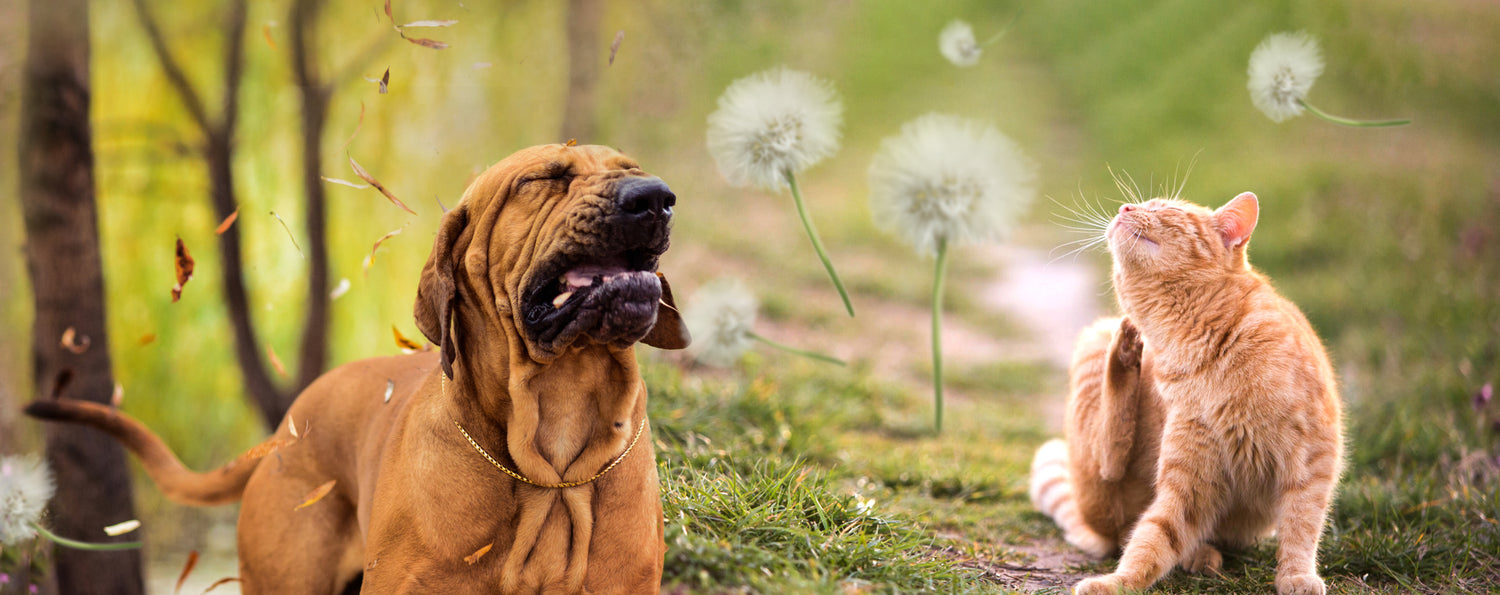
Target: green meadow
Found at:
781, 474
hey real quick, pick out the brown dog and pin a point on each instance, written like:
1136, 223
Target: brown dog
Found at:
540, 282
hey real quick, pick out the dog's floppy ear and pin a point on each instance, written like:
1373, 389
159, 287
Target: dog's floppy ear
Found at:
436, 292
669, 331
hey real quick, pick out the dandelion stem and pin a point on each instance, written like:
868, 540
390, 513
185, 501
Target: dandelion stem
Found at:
937, 331
812, 234
82, 545
1348, 122
1003, 30
793, 350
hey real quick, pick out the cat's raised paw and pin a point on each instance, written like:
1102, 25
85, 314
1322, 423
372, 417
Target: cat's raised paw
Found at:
1300, 584
1108, 584
1128, 344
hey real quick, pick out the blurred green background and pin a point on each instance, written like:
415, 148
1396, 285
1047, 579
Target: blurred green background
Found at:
1389, 239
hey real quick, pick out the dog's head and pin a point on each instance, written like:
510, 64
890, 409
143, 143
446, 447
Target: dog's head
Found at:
566, 239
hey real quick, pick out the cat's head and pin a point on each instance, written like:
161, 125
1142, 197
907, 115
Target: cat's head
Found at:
1166, 239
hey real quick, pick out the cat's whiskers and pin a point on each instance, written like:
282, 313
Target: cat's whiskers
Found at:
1087, 218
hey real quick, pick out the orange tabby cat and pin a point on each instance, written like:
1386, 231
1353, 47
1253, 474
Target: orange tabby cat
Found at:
1208, 416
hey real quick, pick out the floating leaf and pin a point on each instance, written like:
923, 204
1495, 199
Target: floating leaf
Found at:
223, 581
385, 82
184, 270
340, 290
572, 142
441, 205
291, 424
388, 12
228, 221
289, 233
364, 175
147, 339
406, 345
357, 127
118, 396
479, 553
390, 387
192, 560
429, 24
267, 31
426, 43
370, 260
317, 494
264, 448
345, 182
615, 47
68, 341
119, 529
275, 361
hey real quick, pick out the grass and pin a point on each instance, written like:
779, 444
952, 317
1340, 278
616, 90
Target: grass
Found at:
783, 475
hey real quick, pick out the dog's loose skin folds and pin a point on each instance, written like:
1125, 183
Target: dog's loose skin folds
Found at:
553, 394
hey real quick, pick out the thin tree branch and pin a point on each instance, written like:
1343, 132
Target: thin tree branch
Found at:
313, 357
234, 66
169, 66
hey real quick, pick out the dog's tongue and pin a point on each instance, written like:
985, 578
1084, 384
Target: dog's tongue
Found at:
583, 276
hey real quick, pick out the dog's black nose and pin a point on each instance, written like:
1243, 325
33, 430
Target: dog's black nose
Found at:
645, 197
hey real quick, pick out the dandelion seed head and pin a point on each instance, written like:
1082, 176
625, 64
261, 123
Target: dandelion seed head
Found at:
721, 315
1283, 69
958, 45
948, 178
773, 123
25, 487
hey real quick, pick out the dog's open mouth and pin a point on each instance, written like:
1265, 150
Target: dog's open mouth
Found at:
611, 298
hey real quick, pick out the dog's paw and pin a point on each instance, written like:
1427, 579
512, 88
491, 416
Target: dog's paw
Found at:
1206, 560
1300, 584
1100, 585
1128, 344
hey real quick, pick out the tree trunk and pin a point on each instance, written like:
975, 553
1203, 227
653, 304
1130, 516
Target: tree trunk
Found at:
315, 96
583, 69
62, 258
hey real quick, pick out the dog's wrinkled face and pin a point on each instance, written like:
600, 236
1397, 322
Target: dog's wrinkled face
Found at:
592, 272
563, 240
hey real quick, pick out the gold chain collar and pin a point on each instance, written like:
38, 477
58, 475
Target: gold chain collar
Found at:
640, 429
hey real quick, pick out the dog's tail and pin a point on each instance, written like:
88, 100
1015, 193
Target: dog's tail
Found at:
1052, 494
177, 482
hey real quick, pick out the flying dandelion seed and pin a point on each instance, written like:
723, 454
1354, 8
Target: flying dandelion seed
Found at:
958, 45
722, 316
946, 181
25, 487
1282, 71
772, 125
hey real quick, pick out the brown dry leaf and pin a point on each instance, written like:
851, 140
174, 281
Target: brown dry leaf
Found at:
364, 175
370, 260
184, 270
264, 448
317, 494
388, 12
615, 47
267, 31
68, 341
385, 83
289, 233
223, 581
357, 127
345, 182
228, 221
147, 339
192, 560
572, 142
406, 345
429, 24
275, 361
479, 553
426, 43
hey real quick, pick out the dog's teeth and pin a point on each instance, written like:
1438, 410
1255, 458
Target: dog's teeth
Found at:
561, 298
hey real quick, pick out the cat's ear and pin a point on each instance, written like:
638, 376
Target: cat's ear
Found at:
1237, 218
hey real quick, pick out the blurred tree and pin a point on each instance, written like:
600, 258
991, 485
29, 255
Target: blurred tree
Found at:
583, 70
218, 136
62, 258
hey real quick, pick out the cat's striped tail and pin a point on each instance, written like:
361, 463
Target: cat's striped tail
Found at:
1052, 494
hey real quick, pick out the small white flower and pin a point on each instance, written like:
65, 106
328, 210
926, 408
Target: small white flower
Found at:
958, 44
1282, 71
25, 487
773, 123
721, 315
948, 178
